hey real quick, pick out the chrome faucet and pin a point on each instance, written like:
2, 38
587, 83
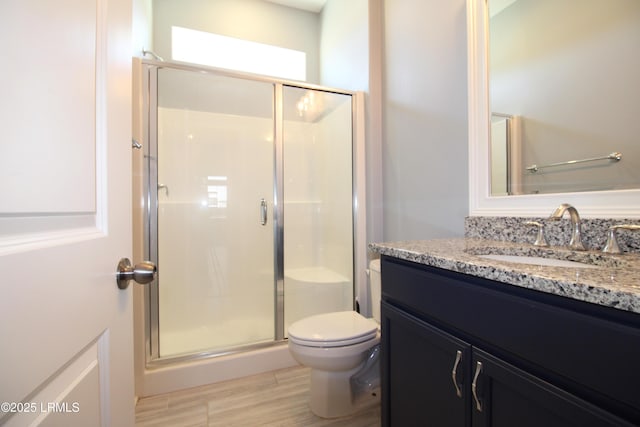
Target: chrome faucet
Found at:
576, 233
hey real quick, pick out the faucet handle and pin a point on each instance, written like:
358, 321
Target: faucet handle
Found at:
540, 239
611, 247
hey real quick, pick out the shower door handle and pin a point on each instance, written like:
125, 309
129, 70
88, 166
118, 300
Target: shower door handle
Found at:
142, 273
263, 212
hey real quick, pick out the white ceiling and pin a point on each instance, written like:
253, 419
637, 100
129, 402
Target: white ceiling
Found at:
310, 5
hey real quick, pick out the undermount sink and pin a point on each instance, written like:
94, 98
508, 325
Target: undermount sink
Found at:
535, 260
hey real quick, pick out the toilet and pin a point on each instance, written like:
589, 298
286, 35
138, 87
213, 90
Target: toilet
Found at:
342, 349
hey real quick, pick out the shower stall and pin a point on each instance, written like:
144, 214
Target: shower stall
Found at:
250, 208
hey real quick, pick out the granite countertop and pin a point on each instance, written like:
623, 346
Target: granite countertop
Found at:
614, 283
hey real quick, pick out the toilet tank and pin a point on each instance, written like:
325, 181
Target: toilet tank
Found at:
375, 288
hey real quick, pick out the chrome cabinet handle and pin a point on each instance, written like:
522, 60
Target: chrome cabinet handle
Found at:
474, 386
454, 373
142, 273
263, 212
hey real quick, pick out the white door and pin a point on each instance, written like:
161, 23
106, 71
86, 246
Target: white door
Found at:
65, 212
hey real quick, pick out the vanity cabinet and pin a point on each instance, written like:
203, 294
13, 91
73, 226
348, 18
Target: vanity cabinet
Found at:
458, 350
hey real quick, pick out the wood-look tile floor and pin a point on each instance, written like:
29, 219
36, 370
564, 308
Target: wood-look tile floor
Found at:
278, 398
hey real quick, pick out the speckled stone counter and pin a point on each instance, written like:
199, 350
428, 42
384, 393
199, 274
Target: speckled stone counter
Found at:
614, 283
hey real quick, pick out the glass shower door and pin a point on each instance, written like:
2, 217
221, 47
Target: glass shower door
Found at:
318, 202
214, 166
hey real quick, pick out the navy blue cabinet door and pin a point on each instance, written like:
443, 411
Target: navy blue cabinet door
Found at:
505, 396
425, 373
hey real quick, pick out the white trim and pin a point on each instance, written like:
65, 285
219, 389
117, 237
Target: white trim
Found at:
374, 123
592, 204
35, 241
59, 389
360, 202
195, 373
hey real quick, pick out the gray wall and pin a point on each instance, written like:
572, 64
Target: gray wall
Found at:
344, 45
425, 119
417, 181
349, 43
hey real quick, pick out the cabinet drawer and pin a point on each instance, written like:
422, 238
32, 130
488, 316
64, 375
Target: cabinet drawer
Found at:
596, 358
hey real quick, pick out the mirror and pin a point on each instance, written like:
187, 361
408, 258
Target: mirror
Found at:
600, 119
567, 71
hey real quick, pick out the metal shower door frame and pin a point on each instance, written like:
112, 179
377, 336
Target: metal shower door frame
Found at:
150, 190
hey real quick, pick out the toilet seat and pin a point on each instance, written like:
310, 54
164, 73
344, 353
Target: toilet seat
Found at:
338, 329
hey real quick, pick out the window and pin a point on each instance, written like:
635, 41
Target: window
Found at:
214, 50
216, 192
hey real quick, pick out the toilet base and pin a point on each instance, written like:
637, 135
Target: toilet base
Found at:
331, 394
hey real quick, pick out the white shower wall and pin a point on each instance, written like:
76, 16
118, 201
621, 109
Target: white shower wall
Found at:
335, 138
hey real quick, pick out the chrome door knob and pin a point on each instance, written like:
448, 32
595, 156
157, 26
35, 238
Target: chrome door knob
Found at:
142, 273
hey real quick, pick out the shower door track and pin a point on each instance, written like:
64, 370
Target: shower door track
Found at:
150, 146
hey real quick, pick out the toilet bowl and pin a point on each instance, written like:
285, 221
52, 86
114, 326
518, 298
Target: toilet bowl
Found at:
341, 348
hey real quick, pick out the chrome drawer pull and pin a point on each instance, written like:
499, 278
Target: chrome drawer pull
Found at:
474, 386
454, 372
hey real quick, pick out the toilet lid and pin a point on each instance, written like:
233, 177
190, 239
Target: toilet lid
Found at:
333, 329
